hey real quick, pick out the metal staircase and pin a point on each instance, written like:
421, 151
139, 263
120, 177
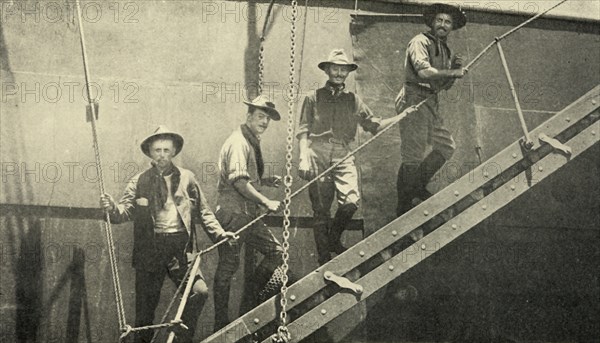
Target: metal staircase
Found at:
374, 262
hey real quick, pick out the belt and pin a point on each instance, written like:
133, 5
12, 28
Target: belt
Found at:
169, 233
422, 87
331, 140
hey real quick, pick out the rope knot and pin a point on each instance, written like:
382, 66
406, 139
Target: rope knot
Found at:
127, 329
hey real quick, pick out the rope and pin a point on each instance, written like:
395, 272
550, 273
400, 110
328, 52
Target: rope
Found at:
288, 178
128, 329
107, 225
516, 28
325, 172
513, 30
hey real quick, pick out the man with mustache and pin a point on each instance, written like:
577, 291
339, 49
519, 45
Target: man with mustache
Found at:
328, 124
163, 202
240, 201
429, 68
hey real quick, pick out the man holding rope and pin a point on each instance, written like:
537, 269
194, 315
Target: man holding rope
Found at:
241, 175
430, 68
328, 124
162, 201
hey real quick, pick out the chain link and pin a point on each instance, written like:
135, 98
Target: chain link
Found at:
282, 331
261, 64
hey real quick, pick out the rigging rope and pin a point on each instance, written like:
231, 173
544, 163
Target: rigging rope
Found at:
363, 145
282, 330
513, 30
107, 225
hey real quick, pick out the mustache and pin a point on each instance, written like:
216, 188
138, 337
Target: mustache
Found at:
155, 162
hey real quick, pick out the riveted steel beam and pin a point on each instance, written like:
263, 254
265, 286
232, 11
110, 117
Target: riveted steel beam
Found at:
490, 172
436, 240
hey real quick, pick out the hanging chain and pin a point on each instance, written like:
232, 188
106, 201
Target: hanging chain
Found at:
261, 50
261, 64
283, 334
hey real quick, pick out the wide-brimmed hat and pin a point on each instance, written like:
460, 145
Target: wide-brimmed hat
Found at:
458, 16
264, 104
162, 132
338, 56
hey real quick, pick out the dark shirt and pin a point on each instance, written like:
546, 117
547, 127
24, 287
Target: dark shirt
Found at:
335, 114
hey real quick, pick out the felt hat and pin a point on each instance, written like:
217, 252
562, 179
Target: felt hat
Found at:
458, 16
162, 132
338, 56
264, 104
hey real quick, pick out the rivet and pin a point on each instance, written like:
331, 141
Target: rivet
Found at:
540, 168
323, 311
593, 133
454, 226
292, 297
423, 246
256, 320
426, 213
361, 253
394, 233
391, 267
512, 187
456, 193
593, 102
514, 155
568, 119
484, 207
485, 174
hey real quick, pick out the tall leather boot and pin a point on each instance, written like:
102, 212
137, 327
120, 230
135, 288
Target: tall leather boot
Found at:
343, 215
406, 187
190, 316
320, 232
251, 281
221, 299
427, 169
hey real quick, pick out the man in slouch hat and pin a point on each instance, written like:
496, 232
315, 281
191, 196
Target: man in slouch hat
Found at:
163, 202
430, 68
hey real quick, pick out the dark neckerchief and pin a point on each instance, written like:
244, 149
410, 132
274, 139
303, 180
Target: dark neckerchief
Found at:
159, 190
334, 89
255, 144
438, 42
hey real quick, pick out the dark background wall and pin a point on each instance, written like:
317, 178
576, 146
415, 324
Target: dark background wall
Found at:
190, 65
526, 273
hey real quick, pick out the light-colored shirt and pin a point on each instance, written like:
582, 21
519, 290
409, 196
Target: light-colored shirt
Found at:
425, 51
236, 161
167, 219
